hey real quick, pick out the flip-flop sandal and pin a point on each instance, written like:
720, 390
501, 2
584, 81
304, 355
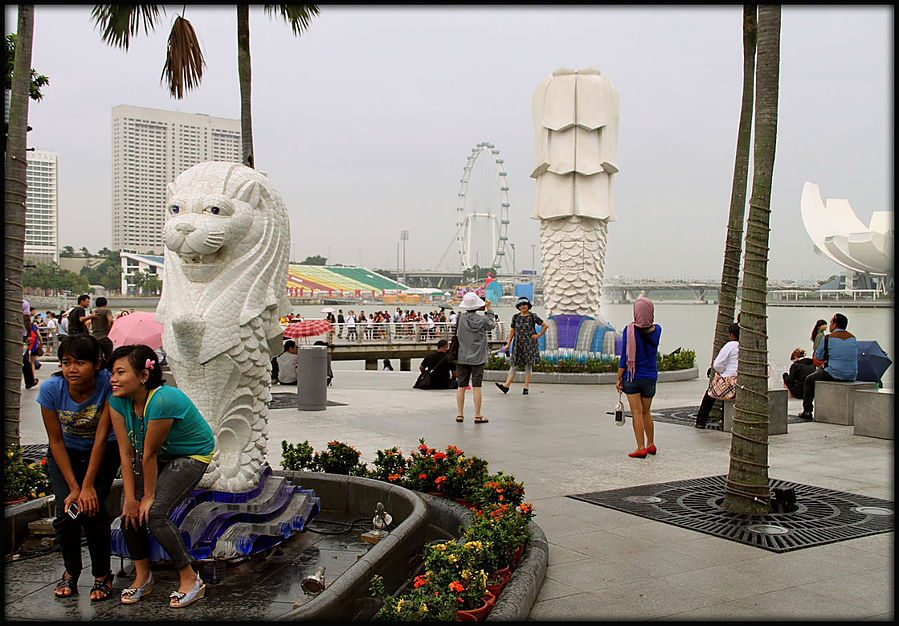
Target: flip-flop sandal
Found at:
460, 418
104, 586
66, 583
481, 420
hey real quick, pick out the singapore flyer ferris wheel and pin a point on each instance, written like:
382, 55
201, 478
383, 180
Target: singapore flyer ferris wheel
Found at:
482, 215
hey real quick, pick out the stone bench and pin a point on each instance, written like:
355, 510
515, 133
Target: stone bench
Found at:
777, 412
872, 413
834, 400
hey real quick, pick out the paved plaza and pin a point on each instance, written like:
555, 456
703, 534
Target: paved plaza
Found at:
605, 564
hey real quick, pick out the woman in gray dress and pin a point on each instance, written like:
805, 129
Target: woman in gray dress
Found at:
525, 351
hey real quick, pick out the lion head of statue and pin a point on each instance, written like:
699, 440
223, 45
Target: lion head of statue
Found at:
227, 237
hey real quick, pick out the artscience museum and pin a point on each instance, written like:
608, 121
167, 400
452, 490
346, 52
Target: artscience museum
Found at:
837, 233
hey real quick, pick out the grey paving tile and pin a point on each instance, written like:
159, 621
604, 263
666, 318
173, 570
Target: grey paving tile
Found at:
872, 592
649, 599
559, 555
802, 603
594, 574
727, 582
655, 532
884, 617
603, 544
552, 589
718, 551
882, 543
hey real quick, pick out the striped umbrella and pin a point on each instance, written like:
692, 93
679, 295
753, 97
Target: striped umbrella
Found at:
307, 328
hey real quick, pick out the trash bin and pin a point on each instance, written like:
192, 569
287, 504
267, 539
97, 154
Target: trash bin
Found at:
312, 378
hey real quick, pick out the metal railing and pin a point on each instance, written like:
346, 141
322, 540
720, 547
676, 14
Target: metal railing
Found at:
388, 333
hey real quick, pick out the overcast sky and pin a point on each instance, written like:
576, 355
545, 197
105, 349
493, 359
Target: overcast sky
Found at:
364, 123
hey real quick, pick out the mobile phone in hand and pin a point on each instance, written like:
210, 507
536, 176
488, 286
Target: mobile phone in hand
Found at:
73, 510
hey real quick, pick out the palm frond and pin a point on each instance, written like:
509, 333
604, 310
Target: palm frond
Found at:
183, 60
297, 15
120, 21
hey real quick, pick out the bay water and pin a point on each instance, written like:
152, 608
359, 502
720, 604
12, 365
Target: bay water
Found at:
691, 326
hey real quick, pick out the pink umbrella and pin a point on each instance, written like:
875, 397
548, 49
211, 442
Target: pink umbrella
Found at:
307, 328
138, 327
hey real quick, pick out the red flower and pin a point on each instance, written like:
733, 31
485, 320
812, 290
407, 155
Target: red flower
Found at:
420, 581
456, 586
439, 456
422, 476
439, 480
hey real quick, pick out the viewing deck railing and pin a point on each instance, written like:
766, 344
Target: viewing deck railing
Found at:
389, 333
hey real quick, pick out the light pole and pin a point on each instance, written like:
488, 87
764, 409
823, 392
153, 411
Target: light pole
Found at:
513, 261
533, 267
397, 271
404, 236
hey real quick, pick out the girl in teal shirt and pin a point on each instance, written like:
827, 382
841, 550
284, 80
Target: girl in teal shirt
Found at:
165, 446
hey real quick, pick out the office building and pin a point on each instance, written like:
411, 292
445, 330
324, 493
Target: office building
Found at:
150, 148
41, 207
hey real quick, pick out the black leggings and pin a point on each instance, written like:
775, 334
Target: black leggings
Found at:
175, 480
96, 526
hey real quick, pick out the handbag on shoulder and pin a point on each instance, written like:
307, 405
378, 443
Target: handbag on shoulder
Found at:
723, 387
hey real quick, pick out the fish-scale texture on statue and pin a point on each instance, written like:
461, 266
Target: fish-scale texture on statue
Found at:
227, 238
572, 251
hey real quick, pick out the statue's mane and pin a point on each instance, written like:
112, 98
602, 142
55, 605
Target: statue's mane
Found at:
249, 283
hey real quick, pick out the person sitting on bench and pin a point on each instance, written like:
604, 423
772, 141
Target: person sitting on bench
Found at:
839, 354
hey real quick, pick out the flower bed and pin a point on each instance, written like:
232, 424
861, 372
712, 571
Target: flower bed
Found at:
680, 359
23, 481
454, 578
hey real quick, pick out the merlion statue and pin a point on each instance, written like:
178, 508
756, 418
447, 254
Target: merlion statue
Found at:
576, 128
227, 238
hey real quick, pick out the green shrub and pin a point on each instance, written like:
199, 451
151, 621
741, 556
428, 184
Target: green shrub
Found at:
296, 457
339, 458
680, 359
389, 466
24, 480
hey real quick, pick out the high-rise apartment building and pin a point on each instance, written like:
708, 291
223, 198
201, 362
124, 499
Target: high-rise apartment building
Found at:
41, 208
150, 148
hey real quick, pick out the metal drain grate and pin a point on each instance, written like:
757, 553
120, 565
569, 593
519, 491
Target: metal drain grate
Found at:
34, 452
686, 416
823, 516
289, 401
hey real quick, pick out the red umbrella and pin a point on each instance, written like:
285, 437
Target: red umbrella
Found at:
138, 327
307, 328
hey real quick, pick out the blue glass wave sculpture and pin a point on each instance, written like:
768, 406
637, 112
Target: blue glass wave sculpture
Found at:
223, 525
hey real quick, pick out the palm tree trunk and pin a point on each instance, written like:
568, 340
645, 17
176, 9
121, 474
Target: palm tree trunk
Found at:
14, 235
748, 489
733, 245
733, 248
243, 71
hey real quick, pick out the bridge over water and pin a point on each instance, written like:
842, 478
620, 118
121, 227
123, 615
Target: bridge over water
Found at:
402, 340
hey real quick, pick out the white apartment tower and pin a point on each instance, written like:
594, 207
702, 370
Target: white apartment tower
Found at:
41, 208
150, 148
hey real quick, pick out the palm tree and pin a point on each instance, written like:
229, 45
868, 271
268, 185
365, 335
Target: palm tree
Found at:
184, 60
14, 235
733, 248
733, 245
747, 489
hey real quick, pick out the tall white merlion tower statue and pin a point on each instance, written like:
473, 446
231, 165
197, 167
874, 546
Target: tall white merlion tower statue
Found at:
227, 238
576, 129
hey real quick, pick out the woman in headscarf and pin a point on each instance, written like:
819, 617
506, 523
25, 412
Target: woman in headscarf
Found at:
638, 373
